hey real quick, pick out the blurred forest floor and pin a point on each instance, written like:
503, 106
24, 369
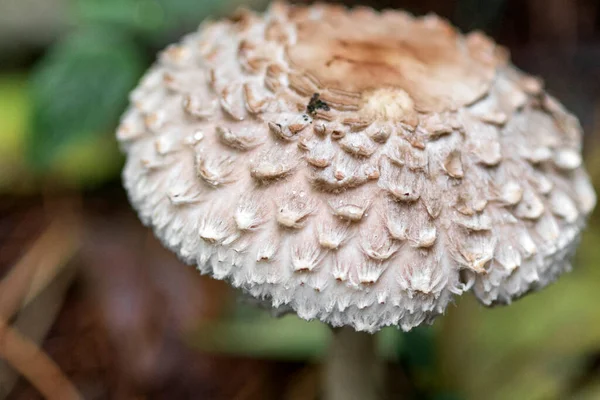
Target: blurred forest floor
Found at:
121, 330
118, 335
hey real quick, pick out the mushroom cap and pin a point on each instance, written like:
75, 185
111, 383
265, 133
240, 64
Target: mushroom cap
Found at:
362, 177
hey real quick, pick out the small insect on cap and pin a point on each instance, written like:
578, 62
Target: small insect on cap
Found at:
362, 177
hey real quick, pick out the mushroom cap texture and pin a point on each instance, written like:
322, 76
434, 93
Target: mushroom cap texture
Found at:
357, 167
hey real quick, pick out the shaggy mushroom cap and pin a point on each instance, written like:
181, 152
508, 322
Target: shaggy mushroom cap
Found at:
362, 177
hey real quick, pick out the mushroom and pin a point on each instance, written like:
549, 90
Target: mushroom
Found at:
361, 177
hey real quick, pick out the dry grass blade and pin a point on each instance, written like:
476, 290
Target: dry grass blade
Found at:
42, 263
29, 360
45, 259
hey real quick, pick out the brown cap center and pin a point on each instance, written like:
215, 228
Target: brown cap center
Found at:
426, 59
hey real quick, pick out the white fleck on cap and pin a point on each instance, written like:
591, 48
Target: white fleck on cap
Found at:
359, 168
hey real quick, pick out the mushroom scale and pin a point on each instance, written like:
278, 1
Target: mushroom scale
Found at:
360, 177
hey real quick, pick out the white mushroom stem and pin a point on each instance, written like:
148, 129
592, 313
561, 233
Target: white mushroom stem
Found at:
352, 369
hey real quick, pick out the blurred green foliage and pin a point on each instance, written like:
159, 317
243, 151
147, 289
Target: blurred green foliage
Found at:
80, 89
154, 20
58, 122
479, 14
253, 332
535, 348
14, 114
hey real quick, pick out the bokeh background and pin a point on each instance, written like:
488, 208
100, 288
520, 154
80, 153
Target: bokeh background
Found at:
90, 302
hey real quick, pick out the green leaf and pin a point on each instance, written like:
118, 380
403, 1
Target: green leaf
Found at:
156, 20
80, 89
136, 15
146, 16
418, 349
252, 332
